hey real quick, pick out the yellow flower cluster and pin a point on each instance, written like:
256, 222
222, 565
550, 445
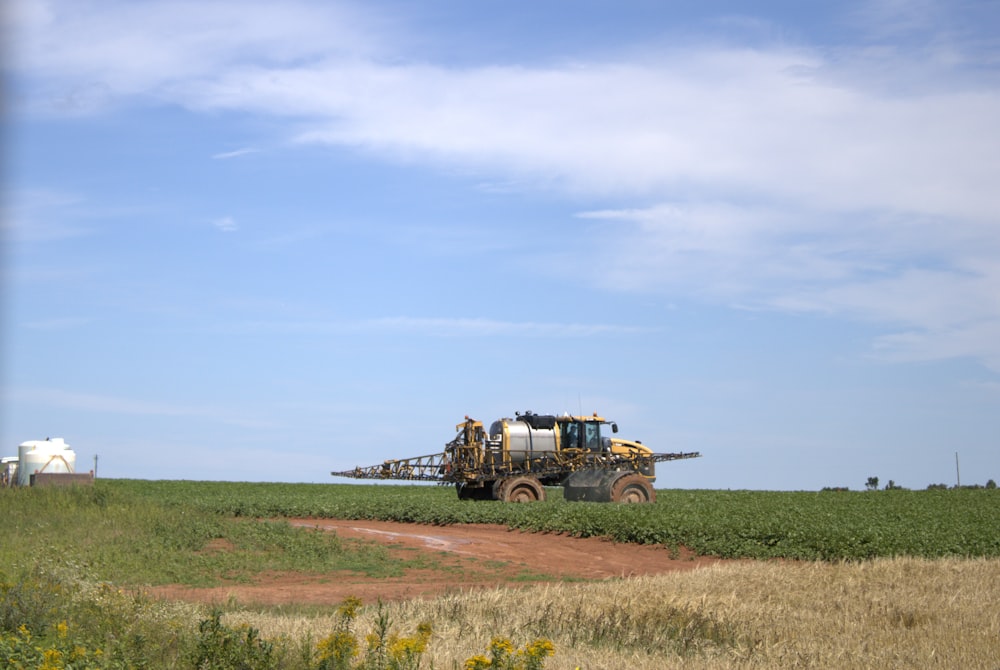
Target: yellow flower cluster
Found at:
348, 610
384, 650
540, 648
337, 647
477, 662
21, 650
504, 656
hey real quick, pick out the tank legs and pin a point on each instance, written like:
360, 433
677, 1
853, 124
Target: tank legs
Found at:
486, 491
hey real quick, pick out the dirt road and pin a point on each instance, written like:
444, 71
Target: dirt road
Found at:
458, 557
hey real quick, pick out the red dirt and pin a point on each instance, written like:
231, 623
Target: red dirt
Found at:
461, 557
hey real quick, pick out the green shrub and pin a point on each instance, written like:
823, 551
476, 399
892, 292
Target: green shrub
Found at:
223, 648
52, 617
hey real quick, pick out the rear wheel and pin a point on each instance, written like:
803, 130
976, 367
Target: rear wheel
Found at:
521, 489
632, 489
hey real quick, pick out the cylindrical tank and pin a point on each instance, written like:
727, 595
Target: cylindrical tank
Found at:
50, 455
524, 441
8, 471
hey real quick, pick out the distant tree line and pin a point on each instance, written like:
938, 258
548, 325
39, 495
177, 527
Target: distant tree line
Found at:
872, 485
990, 484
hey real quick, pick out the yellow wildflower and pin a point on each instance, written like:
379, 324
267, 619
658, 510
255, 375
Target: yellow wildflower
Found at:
51, 660
540, 648
478, 662
403, 648
501, 645
349, 608
340, 645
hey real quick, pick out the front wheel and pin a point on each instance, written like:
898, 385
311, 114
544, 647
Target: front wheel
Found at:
633, 489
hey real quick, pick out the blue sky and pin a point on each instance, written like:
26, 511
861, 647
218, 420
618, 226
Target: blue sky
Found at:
263, 241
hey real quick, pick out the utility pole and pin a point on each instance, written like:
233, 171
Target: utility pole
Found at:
958, 475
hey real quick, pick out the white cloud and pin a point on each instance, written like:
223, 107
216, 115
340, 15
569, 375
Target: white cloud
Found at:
935, 284
790, 123
782, 122
943, 314
141, 48
748, 123
856, 180
226, 224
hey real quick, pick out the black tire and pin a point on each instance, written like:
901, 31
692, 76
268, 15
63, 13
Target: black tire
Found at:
633, 488
521, 489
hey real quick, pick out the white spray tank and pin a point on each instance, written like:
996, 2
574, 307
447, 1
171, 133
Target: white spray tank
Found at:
48, 455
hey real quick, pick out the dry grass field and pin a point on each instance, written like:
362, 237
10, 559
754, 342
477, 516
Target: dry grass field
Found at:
887, 613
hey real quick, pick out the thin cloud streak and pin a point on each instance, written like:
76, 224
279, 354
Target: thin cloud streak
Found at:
43, 215
226, 224
58, 323
90, 402
459, 327
235, 154
936, 286
438, 327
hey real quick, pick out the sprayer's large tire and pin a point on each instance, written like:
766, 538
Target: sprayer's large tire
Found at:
632, 489
522, 489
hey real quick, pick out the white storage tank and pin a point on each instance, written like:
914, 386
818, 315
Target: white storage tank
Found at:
48, 455
8, 471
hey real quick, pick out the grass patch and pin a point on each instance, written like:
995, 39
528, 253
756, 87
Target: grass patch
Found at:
130, 539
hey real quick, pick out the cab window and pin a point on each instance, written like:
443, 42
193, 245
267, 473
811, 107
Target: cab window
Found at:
592, 436
570, 438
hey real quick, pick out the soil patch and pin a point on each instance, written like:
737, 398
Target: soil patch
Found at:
453, 558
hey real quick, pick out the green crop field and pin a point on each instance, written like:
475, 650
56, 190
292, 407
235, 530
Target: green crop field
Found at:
828, 525
75, 562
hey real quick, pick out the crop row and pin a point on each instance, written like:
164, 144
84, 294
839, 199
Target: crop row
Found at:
828, 525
